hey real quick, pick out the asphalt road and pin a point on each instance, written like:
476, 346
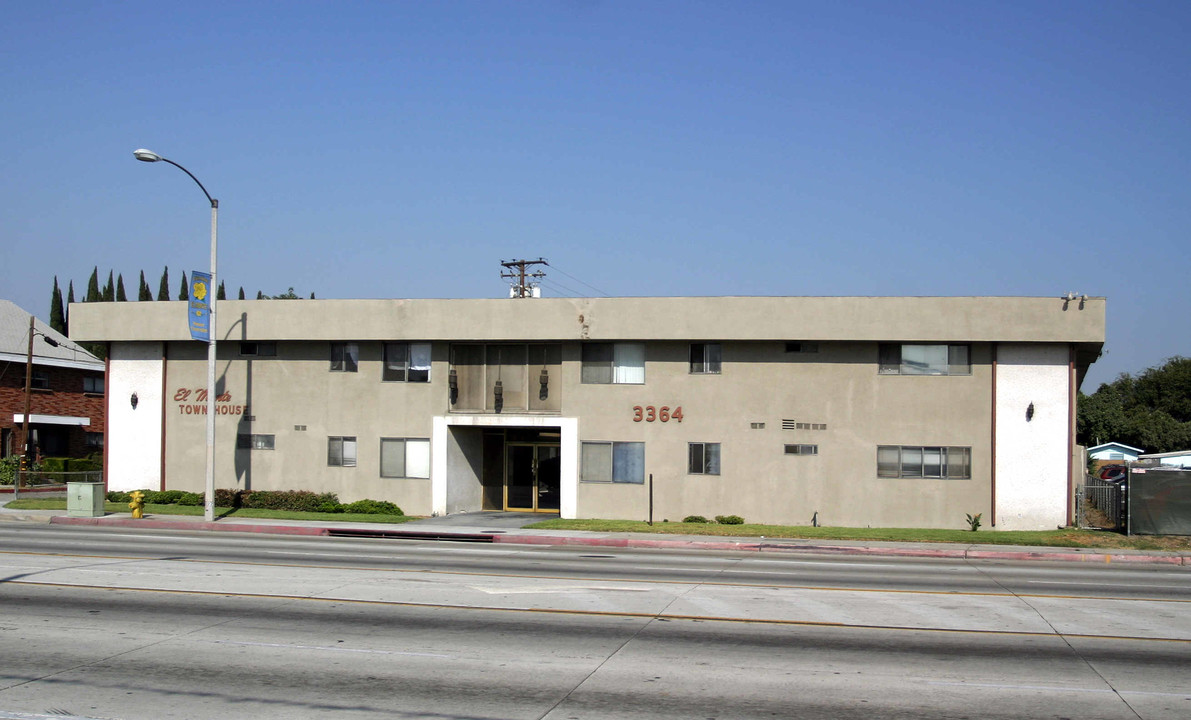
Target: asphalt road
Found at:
118, 624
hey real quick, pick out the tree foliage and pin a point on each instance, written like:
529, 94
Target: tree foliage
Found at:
109, 290
1151, 411
93, 287
121, 296
163, 288
57, 314
184, 289
145, 292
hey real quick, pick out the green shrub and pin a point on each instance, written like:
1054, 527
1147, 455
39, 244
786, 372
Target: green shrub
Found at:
117, 496
227, 498
191, 499
372, 507
8, 469
695, 519
83, 465
162, 497
729, 519
53, 464
974, 522
296, 500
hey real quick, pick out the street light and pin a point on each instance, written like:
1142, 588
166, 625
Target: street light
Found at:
28, 454
209, 506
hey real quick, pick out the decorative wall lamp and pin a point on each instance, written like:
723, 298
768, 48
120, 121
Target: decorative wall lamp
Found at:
544, 381
1030, 412
453, 384
134, 400
498, 391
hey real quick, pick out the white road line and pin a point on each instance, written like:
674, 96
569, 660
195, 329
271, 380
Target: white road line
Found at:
328, 647
1053, 688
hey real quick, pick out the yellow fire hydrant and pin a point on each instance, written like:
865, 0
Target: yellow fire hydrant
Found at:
137, 504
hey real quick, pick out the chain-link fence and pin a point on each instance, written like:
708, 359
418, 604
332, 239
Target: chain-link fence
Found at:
1100, 504
28, 479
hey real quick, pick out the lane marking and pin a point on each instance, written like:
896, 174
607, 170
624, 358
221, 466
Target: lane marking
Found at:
692, 581
330, 648
1052, 688
611, 613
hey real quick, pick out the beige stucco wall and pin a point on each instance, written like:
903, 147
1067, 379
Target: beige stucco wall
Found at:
956, 319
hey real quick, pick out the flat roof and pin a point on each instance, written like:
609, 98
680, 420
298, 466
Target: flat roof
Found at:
908, 319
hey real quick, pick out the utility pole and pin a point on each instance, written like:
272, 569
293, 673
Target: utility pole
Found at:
521, 288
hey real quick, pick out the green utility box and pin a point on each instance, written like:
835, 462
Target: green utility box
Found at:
84, 499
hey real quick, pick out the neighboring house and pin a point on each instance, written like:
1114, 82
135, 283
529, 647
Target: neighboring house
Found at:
66, 405
877, 411
1179, 458
1115, 452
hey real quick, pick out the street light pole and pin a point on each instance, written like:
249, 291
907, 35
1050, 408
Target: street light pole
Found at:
209, 498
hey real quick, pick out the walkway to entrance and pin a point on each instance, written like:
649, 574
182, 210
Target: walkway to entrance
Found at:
485, 519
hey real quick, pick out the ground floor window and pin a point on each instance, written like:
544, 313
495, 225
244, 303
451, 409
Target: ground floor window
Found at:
93, 440
404, 457
911, 461
341, 451
245, 441
703, 459
618, 462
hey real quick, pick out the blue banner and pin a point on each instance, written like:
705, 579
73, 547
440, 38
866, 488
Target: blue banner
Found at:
199, 312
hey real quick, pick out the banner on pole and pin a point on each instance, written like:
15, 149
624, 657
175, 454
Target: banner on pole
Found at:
199, 312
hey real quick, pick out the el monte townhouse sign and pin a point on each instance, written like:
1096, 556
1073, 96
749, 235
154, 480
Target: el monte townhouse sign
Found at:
194, 402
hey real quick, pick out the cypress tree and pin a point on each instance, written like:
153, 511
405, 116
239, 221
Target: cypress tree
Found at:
93, 287
109, 290
221, 295
120, 295
241, 292
260, 295
163, 288
69, 300
184, 291
144, 293
57, 316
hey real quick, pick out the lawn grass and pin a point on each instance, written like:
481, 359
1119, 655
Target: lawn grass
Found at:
1043, 538
1049, 538
220, 512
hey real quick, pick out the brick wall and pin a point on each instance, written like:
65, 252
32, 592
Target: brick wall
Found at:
64, 396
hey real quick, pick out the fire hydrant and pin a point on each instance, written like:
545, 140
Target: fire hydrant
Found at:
137, 504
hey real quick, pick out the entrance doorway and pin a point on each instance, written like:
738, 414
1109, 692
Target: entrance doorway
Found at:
531, 476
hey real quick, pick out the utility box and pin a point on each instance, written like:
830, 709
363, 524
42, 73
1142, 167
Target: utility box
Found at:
84, 499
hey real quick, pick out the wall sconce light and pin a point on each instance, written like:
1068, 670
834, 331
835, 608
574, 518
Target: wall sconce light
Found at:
453, 384
134, 400
544, 381
1030, 412
498, 391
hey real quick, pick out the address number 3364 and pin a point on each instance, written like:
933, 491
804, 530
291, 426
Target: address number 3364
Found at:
649, 413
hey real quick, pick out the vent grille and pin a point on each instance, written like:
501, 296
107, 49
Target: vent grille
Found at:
793, 425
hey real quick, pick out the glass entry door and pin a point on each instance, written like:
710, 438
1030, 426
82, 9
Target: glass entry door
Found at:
531, 477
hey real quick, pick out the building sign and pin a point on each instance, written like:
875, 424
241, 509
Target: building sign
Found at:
649, 413
194, 402
199, 313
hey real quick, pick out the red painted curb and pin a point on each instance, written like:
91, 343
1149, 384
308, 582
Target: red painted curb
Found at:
151, 524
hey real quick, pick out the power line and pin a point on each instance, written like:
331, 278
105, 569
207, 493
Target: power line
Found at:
564, 272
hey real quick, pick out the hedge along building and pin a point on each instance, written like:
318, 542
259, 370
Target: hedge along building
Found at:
877, 411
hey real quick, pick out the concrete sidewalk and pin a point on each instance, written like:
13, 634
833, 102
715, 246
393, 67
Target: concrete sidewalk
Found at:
493, 527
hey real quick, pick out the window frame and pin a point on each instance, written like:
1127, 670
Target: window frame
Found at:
588, 367
259, 348
406, 372
891, 359
707, 465
256, 441
343, 441
928, 456
348, 359
710, 361
93, 382
613, 446
405, 456
801, 449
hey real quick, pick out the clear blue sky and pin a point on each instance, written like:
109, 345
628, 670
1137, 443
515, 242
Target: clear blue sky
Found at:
645, 148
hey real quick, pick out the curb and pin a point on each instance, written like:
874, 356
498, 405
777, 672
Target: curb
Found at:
922, 551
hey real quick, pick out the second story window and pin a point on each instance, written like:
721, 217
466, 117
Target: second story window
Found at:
705, 358
615, 363
921, 359
93, 385
407, 362
345, 357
